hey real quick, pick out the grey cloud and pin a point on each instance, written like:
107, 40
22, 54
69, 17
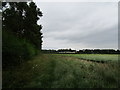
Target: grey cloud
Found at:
106, 39
75, 24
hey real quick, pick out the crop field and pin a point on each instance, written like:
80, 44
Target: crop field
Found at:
64, 71
96, 57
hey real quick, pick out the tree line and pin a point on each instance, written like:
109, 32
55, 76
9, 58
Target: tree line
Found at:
21, 34
84, 51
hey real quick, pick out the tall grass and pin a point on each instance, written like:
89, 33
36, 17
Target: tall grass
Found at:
58, 71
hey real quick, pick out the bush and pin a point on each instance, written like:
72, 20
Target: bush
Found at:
15, 50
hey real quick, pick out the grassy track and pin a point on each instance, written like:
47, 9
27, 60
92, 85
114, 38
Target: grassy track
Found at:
59, 71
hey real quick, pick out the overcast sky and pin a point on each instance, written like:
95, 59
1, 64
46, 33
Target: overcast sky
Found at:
79, 25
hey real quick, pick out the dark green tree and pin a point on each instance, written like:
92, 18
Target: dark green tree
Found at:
32, 29
21, 18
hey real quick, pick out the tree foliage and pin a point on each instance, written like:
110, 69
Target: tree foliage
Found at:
21, 19
21, 35
15, 50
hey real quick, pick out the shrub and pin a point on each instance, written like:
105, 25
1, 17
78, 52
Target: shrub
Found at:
15, 50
